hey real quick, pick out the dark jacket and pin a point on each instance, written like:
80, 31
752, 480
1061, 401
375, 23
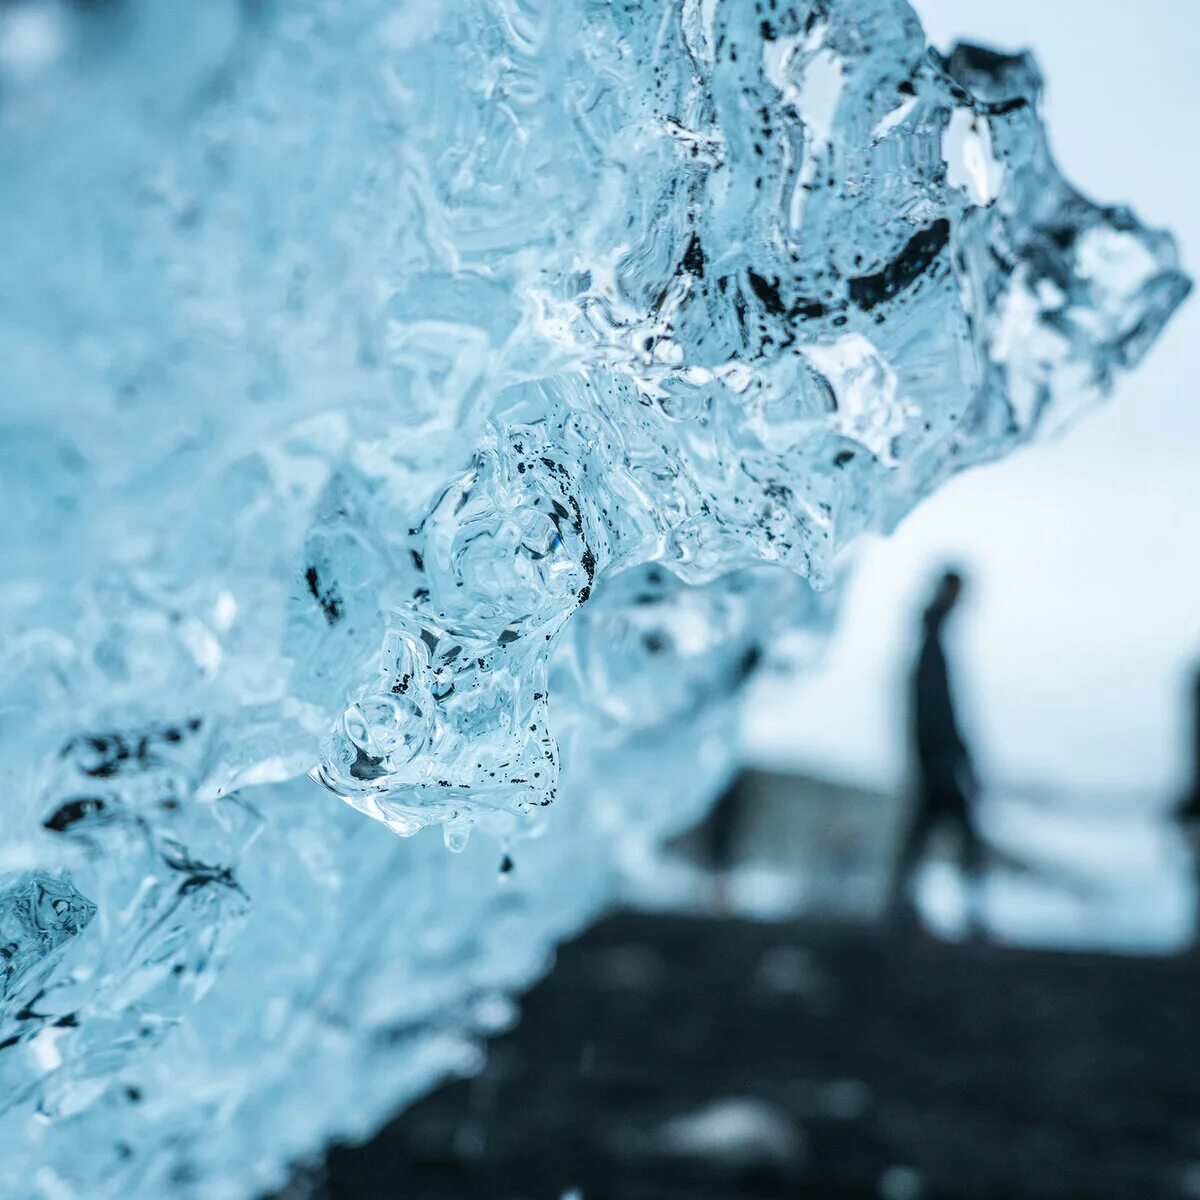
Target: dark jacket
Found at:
941, 753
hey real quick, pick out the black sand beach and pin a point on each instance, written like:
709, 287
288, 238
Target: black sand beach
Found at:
680, 1058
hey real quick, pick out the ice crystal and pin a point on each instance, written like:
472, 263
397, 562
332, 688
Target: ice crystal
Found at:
454, 401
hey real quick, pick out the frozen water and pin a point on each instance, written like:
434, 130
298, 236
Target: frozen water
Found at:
454, 402
38, 914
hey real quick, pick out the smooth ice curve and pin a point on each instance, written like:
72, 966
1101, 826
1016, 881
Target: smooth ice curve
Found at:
455, 402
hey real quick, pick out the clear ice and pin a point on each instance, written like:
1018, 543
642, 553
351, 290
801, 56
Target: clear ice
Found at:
450, 402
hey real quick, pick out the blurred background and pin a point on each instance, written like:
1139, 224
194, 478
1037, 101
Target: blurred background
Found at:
761, 1020
1079, 635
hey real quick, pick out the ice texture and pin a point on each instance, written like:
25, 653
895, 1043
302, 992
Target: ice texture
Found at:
452, 403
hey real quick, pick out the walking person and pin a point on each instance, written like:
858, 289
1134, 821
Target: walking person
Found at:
946, 783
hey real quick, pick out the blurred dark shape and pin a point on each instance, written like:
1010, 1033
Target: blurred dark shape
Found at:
721, 832
1187, 812
946, 783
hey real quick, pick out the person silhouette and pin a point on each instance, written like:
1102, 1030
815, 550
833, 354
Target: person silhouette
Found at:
946, 783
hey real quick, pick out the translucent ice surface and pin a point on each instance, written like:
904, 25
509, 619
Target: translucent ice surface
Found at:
450, 403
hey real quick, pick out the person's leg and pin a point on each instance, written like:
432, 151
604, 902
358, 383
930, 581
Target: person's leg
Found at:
971, 859
912, 849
